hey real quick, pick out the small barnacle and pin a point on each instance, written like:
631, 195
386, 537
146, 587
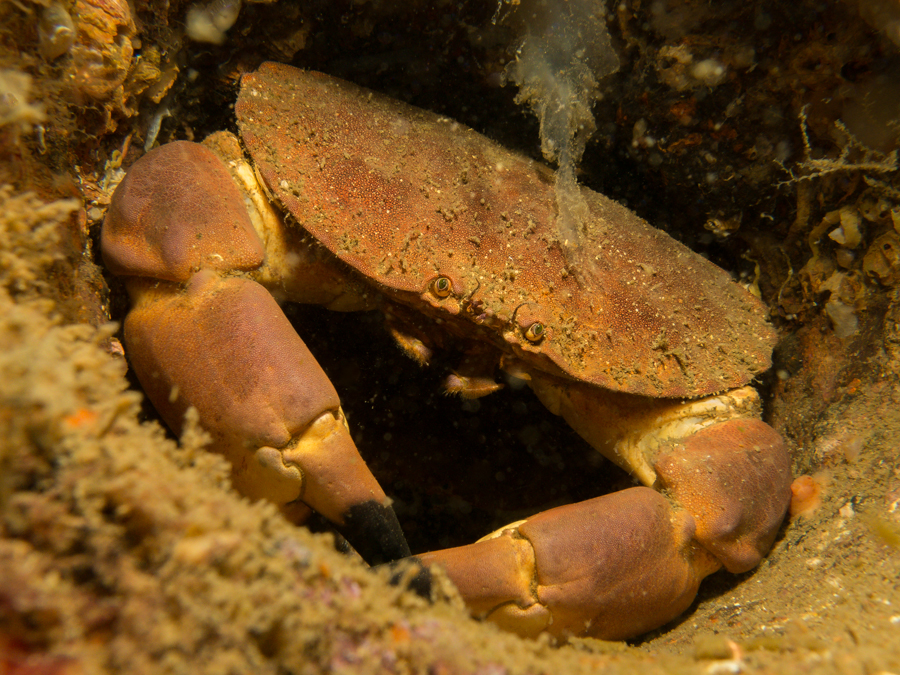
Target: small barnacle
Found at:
56, 31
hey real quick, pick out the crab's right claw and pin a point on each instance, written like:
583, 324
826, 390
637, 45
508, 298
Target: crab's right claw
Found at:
199, 334
611, 567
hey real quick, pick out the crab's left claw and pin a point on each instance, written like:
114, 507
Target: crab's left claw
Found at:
201, 333
224, 347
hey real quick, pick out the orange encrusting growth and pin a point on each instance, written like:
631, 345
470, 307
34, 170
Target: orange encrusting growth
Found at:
806, 496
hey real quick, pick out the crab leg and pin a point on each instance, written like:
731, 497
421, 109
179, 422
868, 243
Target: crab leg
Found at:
201, 334
620, 565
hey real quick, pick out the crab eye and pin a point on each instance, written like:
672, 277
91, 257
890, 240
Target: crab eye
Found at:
535, 332
441, 287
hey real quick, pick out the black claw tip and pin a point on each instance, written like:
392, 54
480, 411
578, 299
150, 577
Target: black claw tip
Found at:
374, 531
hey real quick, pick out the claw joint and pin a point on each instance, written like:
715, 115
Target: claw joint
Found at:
288, 475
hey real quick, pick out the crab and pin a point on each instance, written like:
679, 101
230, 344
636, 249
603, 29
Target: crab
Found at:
354, 201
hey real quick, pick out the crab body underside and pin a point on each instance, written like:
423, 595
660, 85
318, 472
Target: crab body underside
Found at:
642, 346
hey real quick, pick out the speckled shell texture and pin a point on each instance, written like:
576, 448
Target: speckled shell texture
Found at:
405, 196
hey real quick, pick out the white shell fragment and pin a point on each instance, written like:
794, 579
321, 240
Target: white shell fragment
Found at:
56, 31
209, 23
